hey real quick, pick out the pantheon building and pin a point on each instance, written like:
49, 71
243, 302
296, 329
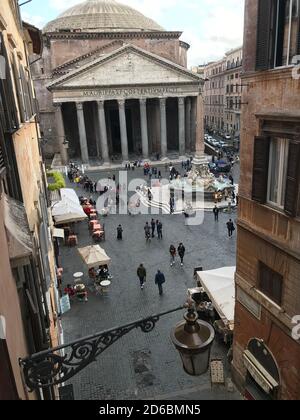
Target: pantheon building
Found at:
112, 84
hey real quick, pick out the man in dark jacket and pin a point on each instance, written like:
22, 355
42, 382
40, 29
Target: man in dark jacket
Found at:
230, 228
153, 227
181, 252
216, 213
160, 280
159, 230
142, 274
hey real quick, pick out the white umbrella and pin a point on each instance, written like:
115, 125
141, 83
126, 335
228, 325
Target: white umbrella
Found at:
94, 256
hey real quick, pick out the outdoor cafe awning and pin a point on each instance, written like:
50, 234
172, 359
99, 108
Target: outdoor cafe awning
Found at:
68, 210
219, 285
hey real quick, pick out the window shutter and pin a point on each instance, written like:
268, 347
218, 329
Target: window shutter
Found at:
293, 180
260, 169
263, 47
298, 39
15, 67
270, 283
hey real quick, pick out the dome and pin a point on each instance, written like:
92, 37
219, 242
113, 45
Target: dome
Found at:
102, 16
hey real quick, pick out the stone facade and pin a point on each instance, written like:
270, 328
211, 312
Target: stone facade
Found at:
222, 92
268, 234
138, 67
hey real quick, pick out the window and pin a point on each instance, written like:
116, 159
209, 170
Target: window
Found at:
278, 33
278, 160
276, 173
287, 28
270, 283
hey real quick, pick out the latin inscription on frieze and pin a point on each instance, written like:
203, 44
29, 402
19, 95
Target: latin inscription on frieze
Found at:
130, 92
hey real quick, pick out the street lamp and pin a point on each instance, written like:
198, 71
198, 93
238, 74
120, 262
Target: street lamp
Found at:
193, 338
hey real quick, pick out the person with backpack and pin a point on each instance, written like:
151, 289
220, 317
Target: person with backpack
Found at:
181, 253
230, 228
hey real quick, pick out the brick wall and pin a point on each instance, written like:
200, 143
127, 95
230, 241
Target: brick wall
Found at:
285, 350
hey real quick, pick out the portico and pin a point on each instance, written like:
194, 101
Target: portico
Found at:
121, 113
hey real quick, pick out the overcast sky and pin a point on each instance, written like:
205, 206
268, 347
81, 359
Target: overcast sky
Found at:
211, 27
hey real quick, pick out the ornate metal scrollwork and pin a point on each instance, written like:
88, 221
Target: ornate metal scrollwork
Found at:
58, 365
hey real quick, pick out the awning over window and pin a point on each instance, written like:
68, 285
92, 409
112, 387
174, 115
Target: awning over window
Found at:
18, 234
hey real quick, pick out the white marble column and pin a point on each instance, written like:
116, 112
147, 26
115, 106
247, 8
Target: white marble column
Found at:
144, 128
82, 133
61, 133
188, 108
123, 129
103, 131
163, 127
181, 122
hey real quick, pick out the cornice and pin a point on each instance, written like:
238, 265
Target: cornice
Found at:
127, 86
113, 35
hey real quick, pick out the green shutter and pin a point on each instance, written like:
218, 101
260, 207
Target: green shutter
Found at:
260, 169
293, 180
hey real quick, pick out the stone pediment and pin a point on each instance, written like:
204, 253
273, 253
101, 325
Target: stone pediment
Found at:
128, 65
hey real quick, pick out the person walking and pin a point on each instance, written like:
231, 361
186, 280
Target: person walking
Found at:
230, 228
173, 255
216, 211
120, 233
142, 275
160, 280
147, 232
153, 227
181, 252
159, 230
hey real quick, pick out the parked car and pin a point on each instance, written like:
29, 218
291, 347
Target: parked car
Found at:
227, 137
223, 167
222, 144
215, 143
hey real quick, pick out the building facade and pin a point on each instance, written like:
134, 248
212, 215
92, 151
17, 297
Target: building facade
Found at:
214, 94
266, 361
222, 92
111, 83
28, 304
233, 83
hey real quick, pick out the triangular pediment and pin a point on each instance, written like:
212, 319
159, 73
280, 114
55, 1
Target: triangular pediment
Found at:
128, 65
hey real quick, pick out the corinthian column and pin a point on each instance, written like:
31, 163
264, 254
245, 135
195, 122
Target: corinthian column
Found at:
103, 131
61, 133
144, 128
188, 123
181, 121
82, 133
163, 127
123, 128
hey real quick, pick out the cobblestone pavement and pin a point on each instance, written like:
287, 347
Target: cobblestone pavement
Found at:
142, 366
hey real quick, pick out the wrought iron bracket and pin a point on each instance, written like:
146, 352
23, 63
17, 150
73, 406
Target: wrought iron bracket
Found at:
60, 364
